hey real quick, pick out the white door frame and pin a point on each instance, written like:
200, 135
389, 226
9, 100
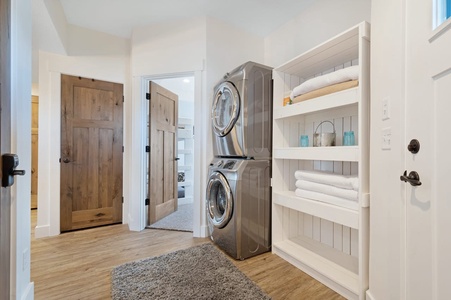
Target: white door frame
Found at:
137, 218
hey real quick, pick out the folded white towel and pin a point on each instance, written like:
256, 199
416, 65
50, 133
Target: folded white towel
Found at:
341, 181
346, 74
327, 189
327, 199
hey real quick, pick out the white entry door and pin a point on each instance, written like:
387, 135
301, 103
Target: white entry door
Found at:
428, 119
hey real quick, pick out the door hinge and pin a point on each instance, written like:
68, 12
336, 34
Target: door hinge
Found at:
122, 149
147, 201
148, 149
122, 199
60, 159
148, 96
123, 98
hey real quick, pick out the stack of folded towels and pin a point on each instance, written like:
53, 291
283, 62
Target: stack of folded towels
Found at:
328, 187
326, 84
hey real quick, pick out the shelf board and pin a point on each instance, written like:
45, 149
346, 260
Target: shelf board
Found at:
328, 265
341, 48
334, 213
185, 151
337, 153
338, 99
184, 168
184, 183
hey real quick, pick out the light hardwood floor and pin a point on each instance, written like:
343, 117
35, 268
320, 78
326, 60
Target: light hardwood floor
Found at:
77, 265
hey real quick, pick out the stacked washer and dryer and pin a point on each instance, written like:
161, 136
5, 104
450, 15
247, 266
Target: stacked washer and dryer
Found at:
238, 189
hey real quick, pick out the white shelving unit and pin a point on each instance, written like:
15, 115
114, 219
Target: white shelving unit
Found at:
185, 135
328, 241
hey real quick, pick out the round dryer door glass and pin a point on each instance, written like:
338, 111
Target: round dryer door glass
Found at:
219, 200
225, 110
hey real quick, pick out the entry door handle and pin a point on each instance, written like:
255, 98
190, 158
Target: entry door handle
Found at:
413, 178
10, 163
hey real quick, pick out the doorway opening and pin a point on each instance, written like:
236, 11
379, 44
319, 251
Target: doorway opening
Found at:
182, 218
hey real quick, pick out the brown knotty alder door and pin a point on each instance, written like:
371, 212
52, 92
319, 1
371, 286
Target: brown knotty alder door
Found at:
91, 153
163, 150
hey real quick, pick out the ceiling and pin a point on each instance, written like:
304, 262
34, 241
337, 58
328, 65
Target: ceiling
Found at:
119, 17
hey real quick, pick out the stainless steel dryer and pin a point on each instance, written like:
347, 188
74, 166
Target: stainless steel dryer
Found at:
242, 113
239, 206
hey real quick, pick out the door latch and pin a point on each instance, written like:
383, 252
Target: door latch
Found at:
413, 178
9, 165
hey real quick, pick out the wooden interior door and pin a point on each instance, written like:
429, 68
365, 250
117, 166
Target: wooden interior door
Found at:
163, 149
5, 146
34, 150
91, 153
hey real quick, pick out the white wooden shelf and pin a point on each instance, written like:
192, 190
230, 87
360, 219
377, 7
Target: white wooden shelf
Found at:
329, 241
185, 183
337, 153
338, 99
184, 168
185, 151
334, 213
322, 262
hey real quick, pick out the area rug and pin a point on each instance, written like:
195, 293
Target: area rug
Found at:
181, 220
201, 272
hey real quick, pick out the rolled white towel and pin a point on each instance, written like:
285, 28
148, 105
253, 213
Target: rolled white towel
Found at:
327, 189
354, 205
342, 75
341, 181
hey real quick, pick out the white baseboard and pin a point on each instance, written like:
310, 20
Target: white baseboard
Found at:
42, 231
201, 232
29, 293
369, 296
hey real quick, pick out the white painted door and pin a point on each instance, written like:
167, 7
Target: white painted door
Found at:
428, 111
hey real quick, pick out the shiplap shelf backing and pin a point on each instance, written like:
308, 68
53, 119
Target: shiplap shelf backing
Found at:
328, 241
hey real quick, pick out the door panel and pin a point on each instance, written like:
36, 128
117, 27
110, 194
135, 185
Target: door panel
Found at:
91, 153
428, 81
163, 142
5, 146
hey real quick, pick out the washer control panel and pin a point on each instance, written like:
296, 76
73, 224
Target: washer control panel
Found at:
229, 164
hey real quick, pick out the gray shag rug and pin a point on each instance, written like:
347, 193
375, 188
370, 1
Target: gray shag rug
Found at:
180, 220
201, 272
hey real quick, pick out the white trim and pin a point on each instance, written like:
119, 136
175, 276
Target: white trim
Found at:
369, 296
441, 29
29, 292
139, 138
41, 231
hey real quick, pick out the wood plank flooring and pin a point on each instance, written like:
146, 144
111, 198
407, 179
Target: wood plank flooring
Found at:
77, 265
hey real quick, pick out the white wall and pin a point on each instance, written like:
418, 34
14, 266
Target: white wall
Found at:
227, 48
320, 21
198, 46
21, 287
387, 217
108, 68
157, 51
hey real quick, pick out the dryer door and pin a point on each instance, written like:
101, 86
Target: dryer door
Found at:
226, 108
219, 200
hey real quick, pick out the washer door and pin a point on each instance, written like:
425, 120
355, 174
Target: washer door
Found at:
219, 200
226, 108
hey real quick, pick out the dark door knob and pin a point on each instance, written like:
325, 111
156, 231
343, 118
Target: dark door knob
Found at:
66, 160
414, 146
413, 178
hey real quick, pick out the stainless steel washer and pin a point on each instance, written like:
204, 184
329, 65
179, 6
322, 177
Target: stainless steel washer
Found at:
239, 206
242, 113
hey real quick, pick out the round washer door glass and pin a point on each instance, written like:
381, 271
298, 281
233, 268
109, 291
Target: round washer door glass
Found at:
219, 200
225, 110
